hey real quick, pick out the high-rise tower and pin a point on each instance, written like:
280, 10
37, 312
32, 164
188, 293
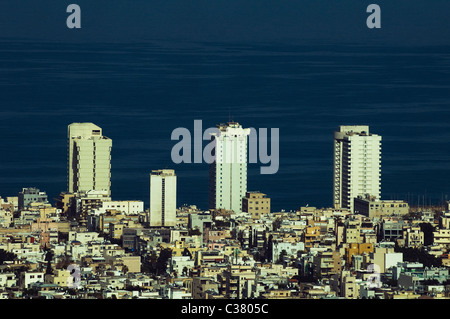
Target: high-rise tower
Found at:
89, 159
228, 173
163, 198
357, 165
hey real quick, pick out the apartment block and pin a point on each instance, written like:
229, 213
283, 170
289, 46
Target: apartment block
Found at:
228, 173
256, 204
89, 159
163, 198
357, 165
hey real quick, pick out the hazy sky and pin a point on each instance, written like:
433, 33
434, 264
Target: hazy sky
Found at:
403, 21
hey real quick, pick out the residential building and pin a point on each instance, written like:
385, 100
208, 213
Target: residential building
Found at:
27, 279
327, 263
89, 159
357, 165
204, 288
228, 173
413, 237
256, 204
128, 207
376, 208
31, 195
163, 198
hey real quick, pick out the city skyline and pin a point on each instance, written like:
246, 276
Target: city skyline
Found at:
331, 178
88, 127
372, 250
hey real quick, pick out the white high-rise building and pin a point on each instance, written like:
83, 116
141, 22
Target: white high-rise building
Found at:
228, 173
163, 198
89, 159
357, 165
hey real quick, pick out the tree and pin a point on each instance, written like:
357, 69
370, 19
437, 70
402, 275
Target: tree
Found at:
194, 232
427, 230
6, 256
277, 223
269, 248
161, 263
283, 254
186, 252
419, 255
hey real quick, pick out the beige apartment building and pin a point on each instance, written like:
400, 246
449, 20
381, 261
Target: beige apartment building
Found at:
327, 263
375, 208
163, 198
357, 165
256, 203
203, 287
89, 159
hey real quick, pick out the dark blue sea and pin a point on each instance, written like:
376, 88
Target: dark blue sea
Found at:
140, 92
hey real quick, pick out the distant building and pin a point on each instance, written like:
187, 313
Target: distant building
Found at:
89, 159
327, 263
163, 198
392, 230
413, 237
31, 195
228, 173
204, 288
256, 203
85, 202
128, 207
375, 208
64, 201
357, 165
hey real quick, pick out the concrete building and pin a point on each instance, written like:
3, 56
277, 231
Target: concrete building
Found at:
327, 263
163, 198
235, 282
228, 173
392, 230
27, 279
83, 203
375, 208
256, 204
128, 207
89, 159
357, 165
291, 250
441, 238
204, 288
349, 286
413, 237
31, 195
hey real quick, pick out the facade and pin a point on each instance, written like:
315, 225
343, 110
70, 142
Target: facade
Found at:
163, 198
83, 203
256, 203
204, 286
357, 165
89, 159
327, 263
31, 195
228, 173
375, 208
29, 278
128, 207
